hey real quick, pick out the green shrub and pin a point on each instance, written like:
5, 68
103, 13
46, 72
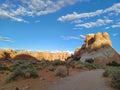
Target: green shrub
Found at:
115, 79
106, 74
23, 69
80, 66
114, 74
58, 62
113, 63
51, 68
90, 66
70, 64
3, 67
61, 71
90, 60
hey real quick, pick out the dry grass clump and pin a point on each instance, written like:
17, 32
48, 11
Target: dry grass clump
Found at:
60, 71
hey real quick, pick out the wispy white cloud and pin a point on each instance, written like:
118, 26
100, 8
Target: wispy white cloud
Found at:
14, 10
115, 34
5, 39
117, 25
70, 37
37, 21
107, 27
82, 36
75, 16
73, 37
99, 22
115, 9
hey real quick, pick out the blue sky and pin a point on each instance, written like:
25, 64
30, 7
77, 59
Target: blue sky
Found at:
56, 24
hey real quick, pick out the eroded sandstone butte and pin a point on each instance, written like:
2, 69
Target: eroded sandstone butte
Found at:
97, 47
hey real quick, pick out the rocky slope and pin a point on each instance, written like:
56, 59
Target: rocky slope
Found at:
97, 47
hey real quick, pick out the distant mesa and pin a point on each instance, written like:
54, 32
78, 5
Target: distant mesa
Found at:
27, 55
97, 47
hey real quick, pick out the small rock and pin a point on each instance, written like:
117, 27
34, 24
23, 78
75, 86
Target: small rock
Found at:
26, 88
42, 78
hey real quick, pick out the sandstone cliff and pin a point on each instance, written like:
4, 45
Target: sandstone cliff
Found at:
26, 55
51, 56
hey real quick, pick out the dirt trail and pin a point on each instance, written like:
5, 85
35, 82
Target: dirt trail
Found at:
89, 80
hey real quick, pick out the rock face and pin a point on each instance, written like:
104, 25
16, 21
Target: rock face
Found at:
51, 56
97, 41
97, 47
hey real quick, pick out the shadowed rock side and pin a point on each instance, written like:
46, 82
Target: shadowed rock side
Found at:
97, 47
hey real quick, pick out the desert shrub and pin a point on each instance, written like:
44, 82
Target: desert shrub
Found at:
111, 70
51, 68
39, 67
106, 73
70, 64
90, 66
113, 63
90, 60
23, 69
43, 64
3, 67
80, 66
58, 62
115, 79
61, 71
114, 74
44, 61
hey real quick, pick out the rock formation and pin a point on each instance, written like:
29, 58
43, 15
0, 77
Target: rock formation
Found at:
97, 47
26, 55
51, 56
95, 41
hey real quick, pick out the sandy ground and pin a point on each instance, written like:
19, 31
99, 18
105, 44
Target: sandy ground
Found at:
89, 80
78, 80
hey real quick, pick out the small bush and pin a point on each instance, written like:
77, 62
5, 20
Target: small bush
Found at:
58, 62
51, 68
90, 60
90, 66
114, 74
80, 66
115, 82
23, 69
106, 74
113, 63
69, 64
3, 67
61, 71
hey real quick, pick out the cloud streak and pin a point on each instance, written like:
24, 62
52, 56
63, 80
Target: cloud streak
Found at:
99, 22
117, 25
74, 16
73, 37
5, 39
